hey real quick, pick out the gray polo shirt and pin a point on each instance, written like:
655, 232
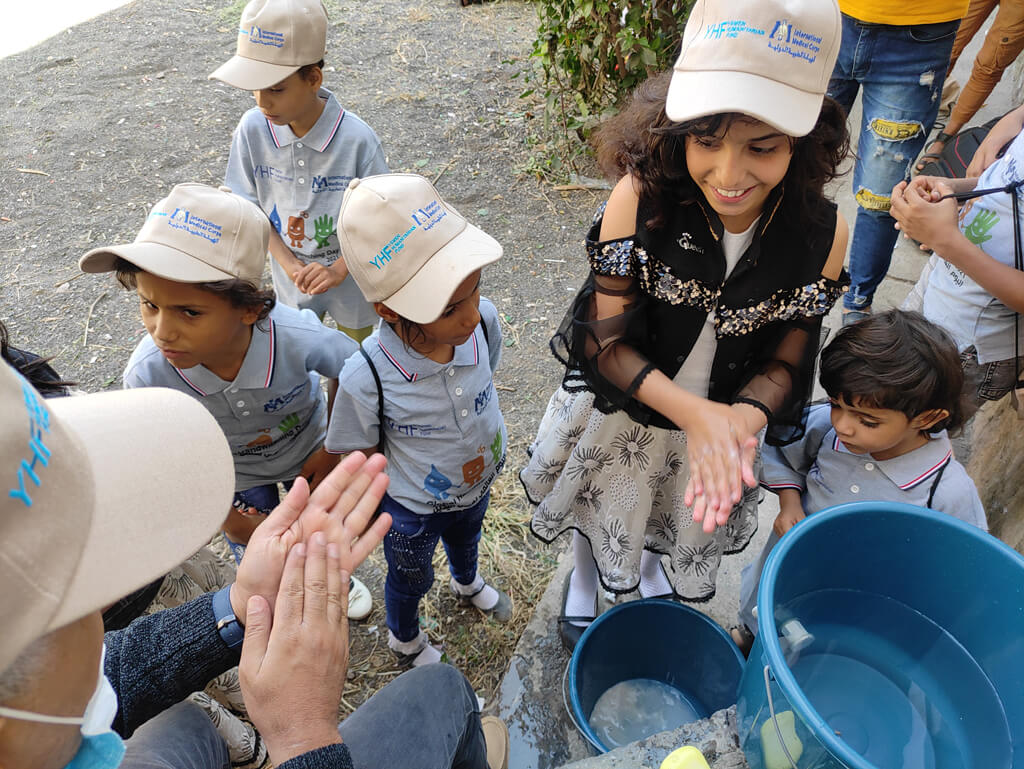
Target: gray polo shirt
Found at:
827, 473
299, 183
444, 433
274, 413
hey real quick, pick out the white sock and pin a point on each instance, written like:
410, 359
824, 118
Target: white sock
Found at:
484, 597
420, 646
652, 578
582, 594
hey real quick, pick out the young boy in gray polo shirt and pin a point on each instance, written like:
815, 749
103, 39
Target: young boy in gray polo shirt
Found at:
294, 153
435, 407
216, 336
895, 389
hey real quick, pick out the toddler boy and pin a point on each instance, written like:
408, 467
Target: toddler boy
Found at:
294, 153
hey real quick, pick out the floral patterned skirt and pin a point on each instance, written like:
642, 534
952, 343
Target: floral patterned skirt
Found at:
621, 485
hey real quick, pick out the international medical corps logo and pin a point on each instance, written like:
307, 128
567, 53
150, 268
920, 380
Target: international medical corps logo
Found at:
38, 425
425, 218
183, 219
785, 38
259, 36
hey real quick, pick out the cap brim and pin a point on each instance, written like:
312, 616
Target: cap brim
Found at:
420, 299
250, 74
699, 94
163, 478
156, 258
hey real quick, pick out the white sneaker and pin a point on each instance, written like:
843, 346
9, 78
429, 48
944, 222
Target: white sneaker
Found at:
360, 602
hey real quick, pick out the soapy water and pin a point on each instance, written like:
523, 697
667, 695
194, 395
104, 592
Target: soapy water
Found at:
894, 686
635, 709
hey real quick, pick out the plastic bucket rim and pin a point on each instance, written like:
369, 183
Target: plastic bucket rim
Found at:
576, 713
771, 649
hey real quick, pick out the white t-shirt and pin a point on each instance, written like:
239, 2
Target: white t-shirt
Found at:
694, 375
952, 299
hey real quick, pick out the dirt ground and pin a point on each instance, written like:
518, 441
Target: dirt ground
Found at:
101, 120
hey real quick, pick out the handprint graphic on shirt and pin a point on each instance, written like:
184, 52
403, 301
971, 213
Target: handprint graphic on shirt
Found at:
978, 230
324, 229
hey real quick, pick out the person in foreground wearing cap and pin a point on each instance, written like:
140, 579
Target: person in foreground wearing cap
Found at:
78, 470
294, 153
423, 391
196, 265
711, 268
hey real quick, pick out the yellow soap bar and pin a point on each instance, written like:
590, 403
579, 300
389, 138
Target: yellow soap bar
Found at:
686, 757
771, 748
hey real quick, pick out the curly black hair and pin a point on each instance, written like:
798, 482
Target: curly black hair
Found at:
643, 142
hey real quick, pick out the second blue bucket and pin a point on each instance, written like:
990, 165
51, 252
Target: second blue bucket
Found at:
657, 640
889, 637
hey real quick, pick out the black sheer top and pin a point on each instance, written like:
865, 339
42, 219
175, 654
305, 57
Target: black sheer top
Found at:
767, 314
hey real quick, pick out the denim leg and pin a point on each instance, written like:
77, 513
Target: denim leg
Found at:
461, 539
182, 737
843, 86
409, 549
426, 718
901, 70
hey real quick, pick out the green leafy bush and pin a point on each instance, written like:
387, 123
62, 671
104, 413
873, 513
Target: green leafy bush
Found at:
593, 52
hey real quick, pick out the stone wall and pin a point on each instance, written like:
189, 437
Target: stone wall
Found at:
997, 467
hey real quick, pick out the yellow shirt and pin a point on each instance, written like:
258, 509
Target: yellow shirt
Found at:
904, 12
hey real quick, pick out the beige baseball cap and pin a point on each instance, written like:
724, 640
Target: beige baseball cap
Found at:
197, 234
406, 247
275, 38
102, 494
770, 59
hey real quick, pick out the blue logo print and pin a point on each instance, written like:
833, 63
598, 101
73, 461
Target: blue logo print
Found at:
259, 36
38, 423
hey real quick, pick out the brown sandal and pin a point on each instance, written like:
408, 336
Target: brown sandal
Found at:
942, 138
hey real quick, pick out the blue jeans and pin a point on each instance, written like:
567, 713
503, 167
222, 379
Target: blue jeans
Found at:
182, 737
427, 718
901, 69
409, 549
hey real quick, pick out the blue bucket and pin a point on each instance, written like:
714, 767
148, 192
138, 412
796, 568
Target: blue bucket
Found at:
888, 636
658, 640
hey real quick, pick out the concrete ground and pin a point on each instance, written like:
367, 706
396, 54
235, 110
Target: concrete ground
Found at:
532, 699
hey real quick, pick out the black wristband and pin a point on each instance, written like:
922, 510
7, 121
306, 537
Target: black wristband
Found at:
757, 405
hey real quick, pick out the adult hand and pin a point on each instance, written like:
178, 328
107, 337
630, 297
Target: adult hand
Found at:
721, 448
342, 507
920, 215
316, 468
294, 663
315, 278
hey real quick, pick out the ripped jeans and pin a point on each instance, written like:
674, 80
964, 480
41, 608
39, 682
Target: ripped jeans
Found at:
901, 69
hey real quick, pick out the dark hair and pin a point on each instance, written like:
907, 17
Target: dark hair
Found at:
37, 371
305, 69
897, 360
643, 142
240, 293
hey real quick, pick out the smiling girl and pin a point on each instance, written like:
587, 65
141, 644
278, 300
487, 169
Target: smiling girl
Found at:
712, 265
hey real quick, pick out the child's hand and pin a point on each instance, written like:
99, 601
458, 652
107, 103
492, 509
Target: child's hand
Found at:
721, 450
921, 216
314, 278
316, 468
788, 517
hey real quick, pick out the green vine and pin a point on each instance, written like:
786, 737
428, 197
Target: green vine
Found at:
592, 53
